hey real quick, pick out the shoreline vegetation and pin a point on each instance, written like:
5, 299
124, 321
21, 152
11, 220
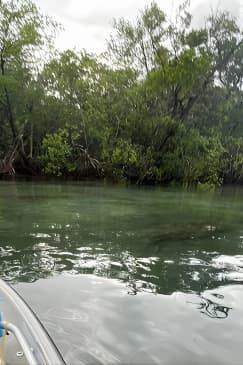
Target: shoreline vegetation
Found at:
162, 105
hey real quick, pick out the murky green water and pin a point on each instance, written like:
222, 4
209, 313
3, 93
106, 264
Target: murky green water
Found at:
127, 275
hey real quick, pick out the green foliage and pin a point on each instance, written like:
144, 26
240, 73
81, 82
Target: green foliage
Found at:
191, 159
195, 38
135, 45
24, 38
124, 154
56, 154
232, 159
166, 107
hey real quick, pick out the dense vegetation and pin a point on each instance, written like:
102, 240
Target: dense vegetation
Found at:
165, 107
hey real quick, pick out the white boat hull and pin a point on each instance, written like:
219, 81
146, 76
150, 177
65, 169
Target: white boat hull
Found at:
27, 341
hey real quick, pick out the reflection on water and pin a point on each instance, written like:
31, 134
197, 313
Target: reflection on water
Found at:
153, 241
166, 273
96, 322
174, 253
211, 308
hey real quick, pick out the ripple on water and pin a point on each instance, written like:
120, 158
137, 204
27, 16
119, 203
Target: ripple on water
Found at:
231, 268
225, 261
96, 321
231, 276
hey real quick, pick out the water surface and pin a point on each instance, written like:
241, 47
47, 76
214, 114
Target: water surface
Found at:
128, 275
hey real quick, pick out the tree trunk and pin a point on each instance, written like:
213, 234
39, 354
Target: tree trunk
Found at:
8, 104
